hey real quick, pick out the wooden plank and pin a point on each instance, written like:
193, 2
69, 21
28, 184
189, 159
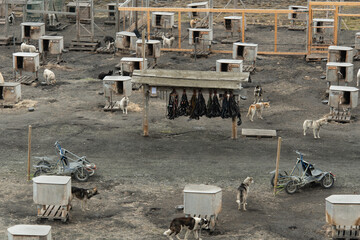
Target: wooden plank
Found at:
258, 132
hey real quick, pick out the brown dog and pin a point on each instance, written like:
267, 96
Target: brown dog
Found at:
83, 194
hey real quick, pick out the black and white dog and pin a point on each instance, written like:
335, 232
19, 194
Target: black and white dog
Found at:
11, 18
83, 194
242, 193
191, 224
109, 41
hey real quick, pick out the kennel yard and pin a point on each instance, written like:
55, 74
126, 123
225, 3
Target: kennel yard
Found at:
141, 179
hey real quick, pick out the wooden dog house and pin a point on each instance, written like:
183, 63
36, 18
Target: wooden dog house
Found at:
162, 20
339, 72
10, 93
32, 30
125, 40
26, 62
29, 232
152, 48
118, 85
202, 36
246, 52
229, 65
51, 44
84, 12
233, 23
340, 54
129, 64
196, 14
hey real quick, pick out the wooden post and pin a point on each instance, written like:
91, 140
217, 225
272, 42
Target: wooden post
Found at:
148, 25
276, 29
92, 20
143, 48
77, 21
146, 110
336, 25
277, 164
179, 28
243, 27
234, 128
117, 16
29, 153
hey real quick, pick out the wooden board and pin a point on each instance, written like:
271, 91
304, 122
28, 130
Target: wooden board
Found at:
248, 68
83, 45
27, 80
201, 53
54, 212
315, 57
341, 117
105, 50
246, 132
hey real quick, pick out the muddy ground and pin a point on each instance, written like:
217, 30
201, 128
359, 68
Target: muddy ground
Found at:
140, 179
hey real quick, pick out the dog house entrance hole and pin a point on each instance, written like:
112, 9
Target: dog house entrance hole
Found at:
346, 98
342, 73
46, 45
1, 93
151, 49
224, 67
195, 14
342, 56
136, 65
120, 87
19, 62
196, 36
27, 30
72, 9
319, 29
228, 24
240, 51
158, 20
127, 41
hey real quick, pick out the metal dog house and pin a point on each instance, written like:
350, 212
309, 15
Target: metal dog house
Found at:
341, 100
26, 62
33, 232
114, 86
246, 52
323, 31
196, 14
152, 48
10, 93
32, 30
34, 5
84, 12
202, 36
53, 45
337, 72
234, 24
340, 54
129, 64
229, 65
162, 20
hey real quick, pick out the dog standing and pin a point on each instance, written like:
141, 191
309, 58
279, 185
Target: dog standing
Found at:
257, 108
193, 22
315, 125
191, 224
242, 193
122, 104
83, 195
258, 91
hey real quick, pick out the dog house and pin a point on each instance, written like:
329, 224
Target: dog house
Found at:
129, 64
162, 20
299, 14
343, 210
196, 14
339, 72
203, 200
34, 5
84, 12
29, 232
32, 30
245, 51
10, 92
51, 44
229, 65
152, 48
202, 36
340, 54
117, 85
357, 41
111, 7
125, 40
323, 30
233, 23
342, 97
26, 62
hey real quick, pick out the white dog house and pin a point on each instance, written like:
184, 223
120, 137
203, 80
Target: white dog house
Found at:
340, 54
152, 48
343, 97
26, 62
51, 44
129, 64
162, 20
84, 12
201, 36
117, 85
229, 65
32, 30
203, 200
196, 14
52, 194
10, 92
323, 30
339, 72
297, 16
246, 52
233, 24
125, 40
29, 232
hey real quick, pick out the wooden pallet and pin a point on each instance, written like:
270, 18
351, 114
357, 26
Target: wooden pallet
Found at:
340, 117
105, 50
57, 27
248, 68
201, 53
83, 45
27, 80
259, 133
53, 212
342, 233
315, 57
5, 40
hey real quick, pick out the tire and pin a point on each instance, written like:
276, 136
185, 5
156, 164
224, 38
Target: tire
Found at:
327, 181
291, 187
81, 174
39, 172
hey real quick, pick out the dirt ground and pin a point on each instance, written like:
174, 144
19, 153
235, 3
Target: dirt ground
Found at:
140, 179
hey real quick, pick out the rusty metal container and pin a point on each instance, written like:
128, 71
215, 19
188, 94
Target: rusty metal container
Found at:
162, 20
202, 36
340, 54
52, 190
341, 97
343, 210
29, 232
196, 14
32, 30
229, 65
339, 72
10, 92
125, 40
357, 41
24, 61
233, 23
152, 48
245, 51
129, 64
51, 44
202, 200
118, 85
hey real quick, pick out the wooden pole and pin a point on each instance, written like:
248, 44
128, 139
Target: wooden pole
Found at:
146, 110
6, 29
277, 164
77, 21
276, 29
234, 128
117, 17
336, 25
148, 25
243, 28
92, 20
179, 28
29, 153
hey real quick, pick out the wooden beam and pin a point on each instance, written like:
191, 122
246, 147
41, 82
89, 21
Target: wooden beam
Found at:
234, 128
179, 28
334, 3
275, 37
336, 24
146, 92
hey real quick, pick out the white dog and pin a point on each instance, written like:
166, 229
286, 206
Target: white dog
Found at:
49, 76
167, 42
122, 104
315, 125
28, 48
242, 193
191, 224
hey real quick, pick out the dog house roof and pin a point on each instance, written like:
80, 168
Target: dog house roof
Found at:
131, 59
52, 37
246, 44
29, 230
342, 48
197, 4
339, 64
344, 89
233, 17
201, 188
163, 13
61, 180
322, 20
9, 84
200, 29
148, 41
229, 61
34, 24
344, 199
117, 78
25, 54
124, 33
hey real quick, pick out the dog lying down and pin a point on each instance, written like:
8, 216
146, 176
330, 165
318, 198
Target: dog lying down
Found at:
83, 195
191, 224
